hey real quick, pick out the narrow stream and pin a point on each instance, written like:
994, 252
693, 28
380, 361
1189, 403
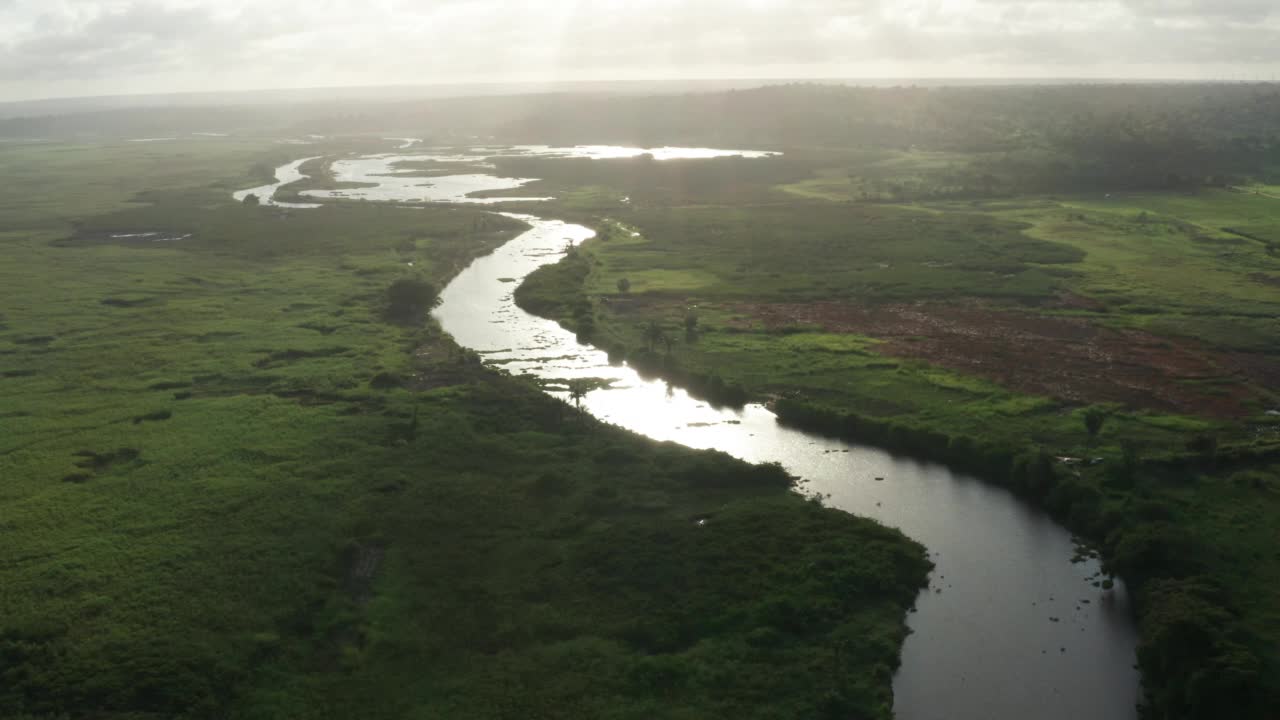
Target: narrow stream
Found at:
1009, 628
285, 174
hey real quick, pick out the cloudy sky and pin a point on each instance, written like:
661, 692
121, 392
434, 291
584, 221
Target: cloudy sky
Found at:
52, 48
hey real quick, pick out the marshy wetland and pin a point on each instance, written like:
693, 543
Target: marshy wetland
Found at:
500, 426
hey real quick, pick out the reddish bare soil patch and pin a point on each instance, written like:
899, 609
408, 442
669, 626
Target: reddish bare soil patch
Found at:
1261, 369
1073, 359
1072, 301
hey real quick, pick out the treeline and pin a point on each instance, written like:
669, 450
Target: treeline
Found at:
1198, 660
1042, 138
645, 181
967, 119
1030, 138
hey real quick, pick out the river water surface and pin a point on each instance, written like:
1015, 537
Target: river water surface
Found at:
285, 174
1009, 628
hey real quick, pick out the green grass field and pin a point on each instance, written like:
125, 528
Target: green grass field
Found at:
880, 175
233, 488
1168, 263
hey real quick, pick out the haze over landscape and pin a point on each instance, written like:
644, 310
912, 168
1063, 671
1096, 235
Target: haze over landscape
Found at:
639, 360
55, 48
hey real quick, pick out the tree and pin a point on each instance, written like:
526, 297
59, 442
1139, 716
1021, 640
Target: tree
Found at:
1041, 474
409, 298
653, 334
1192, 637
668, 341
577, 390
1125, 474
691, 323
624, 285
1094, 419
251, 200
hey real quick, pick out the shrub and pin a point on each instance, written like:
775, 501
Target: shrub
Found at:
1094, 419
409, 298
386, 381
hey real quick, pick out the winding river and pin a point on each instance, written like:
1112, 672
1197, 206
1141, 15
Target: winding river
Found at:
1010, 628
285, 174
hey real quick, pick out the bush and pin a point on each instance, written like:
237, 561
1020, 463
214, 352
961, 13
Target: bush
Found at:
1194, 645
1094, 419
409, 298
386, 381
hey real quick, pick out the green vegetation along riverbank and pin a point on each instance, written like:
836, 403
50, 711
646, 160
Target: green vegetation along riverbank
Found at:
1110, 357
240, 478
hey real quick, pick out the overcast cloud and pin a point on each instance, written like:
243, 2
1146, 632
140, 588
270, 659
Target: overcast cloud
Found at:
97, 47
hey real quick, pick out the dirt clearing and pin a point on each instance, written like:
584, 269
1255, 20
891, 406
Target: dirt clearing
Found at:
1074, 359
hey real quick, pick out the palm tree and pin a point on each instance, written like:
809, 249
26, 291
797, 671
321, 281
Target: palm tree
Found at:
668, 340
577, 391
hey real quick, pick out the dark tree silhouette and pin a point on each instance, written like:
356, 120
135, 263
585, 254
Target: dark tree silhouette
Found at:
409, 298
1094, 419
578, 389
653, 334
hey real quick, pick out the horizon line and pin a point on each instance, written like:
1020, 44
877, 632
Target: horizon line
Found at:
764, 82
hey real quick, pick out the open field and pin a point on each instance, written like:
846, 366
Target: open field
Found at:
233, 487
48, 184
883, 175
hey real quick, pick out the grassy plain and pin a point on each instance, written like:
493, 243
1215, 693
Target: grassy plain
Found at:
983, 332
232, 488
